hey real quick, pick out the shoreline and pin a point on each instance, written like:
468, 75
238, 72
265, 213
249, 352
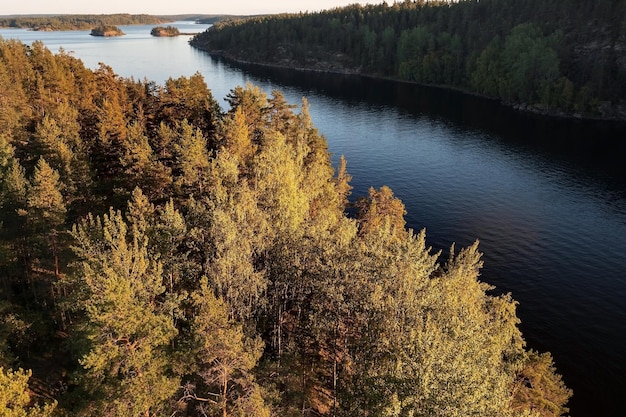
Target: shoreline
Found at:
530, 109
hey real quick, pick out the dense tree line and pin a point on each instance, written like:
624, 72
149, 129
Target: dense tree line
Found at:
211, 19
554, 55
159, 256
78, 22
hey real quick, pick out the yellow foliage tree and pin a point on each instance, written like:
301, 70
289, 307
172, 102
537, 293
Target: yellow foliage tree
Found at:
15, 400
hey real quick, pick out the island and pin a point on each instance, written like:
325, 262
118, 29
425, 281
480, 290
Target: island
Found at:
165, 31
107, 31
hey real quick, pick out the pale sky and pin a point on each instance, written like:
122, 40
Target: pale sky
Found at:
163, 7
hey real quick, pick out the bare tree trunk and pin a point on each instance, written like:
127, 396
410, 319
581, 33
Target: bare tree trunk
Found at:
57, 276
224, 398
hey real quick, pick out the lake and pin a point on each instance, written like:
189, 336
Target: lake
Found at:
545, 197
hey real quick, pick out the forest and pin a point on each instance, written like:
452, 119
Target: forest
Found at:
560, 57
77, 22
161, 256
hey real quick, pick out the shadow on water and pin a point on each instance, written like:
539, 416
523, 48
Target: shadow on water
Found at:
595, 147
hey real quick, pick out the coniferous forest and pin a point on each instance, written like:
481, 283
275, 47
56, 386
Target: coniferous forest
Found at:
561, 57
162, 257
78, 21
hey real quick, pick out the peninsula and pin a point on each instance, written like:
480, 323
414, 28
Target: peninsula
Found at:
545, 57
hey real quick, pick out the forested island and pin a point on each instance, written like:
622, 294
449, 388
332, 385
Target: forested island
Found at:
162, 257
165, 31
559, 57
106, 31
77, 22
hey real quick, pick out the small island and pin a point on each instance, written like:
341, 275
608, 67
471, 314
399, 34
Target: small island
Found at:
107, 31
165, 31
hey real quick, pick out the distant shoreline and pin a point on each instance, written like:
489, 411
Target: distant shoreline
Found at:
52, 23
329, 68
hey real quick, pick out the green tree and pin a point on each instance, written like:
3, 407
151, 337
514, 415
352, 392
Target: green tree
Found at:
45, 202
253, 103
169, 234
435, 349
280, 114
237, 138
412, 48
488, 76
49, 144
142, 167
129, 319
13, 329
278, 173
225, 361
189, 98
317, 184
15, 259
13, 186
192, 159
15, 400
106, 151
238, 229
530, 61
13, 108
45, 216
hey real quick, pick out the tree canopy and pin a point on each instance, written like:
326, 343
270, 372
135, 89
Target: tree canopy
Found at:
78, 21
556, 56
162, 257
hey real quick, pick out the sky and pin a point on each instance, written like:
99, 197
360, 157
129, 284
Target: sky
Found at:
168, 7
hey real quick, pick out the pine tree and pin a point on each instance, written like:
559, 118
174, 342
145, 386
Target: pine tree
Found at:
15, 400
280, 114
45, 203
169, 232
278, 173
239, 234
15, 259
237, 140
13, 186
45, 216
51, 145
253, 103
14, 71
192, 159
141, 167
129, 319
226, 358
191, 100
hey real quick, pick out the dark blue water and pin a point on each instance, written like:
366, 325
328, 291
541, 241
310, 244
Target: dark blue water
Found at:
546, 198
